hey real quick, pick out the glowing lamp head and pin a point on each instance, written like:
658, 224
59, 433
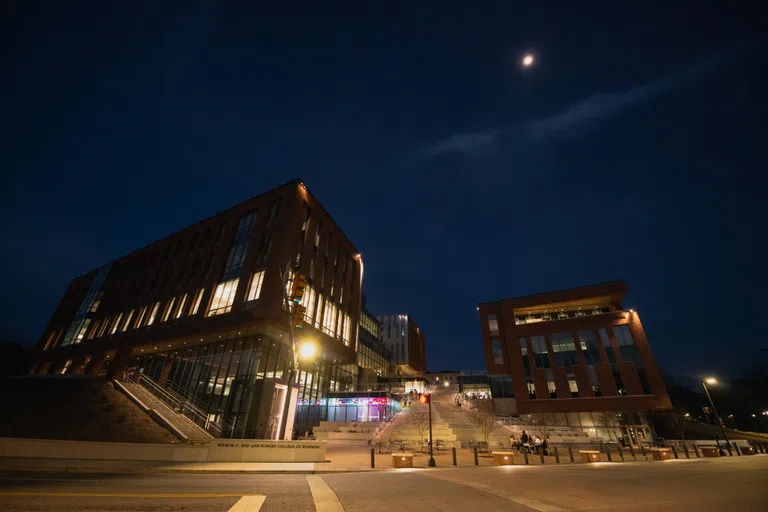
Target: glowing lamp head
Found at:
528, 60
710, 380
446, 383
402, 458
307, 350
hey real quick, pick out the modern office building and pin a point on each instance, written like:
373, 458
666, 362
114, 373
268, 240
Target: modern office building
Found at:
403, 337
576, 352
373, 357
202, 312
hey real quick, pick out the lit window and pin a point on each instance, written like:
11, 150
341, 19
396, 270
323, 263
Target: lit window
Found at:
308, 301
128, 321
344, 327
254, 291
103, 327
329, 318
182, 303
223, 297
115, 325
140, 318
153, 314
83, 329
168, 309
66, 366
493, 325
196, 304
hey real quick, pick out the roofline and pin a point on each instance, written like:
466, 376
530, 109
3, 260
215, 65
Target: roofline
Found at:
620, 282
297, 181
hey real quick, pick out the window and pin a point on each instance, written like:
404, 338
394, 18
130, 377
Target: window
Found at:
196, 303
564, 349
493, 325
223, 297
265, 248
115, 325
589, 347
607, 345
551, 383
501, 386
498, 357
103, 328
153, 314
66, 366
345, 327
573, 387
531, 388
128, 320
273, 213
329, 318
182, 303
140, 317
239, 246
168, 309
254, 290
629, 353
539, 345
81, 332
308, 301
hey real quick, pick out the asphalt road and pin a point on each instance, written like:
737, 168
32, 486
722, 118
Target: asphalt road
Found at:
734, 484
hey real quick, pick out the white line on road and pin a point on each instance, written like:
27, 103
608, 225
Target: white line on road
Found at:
534, 504
248, 504
323, 496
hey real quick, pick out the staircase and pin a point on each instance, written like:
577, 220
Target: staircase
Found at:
168, 406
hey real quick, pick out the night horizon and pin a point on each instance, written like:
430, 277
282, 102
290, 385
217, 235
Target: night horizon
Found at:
461, 176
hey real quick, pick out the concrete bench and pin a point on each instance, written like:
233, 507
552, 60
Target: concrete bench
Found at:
661, 453
402, 460
502, 458
590, 455
709, 451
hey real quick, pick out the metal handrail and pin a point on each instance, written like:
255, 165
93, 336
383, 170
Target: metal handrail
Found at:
183, 406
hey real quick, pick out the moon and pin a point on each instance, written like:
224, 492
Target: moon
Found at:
528, 60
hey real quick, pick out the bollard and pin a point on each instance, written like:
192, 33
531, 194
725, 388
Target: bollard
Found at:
373, 458
525, 454
570, 453
621, 454
674, 451
541, 454
476, 462
454, 456
608, 452
685, 450
557, 455
632, 452
696, 451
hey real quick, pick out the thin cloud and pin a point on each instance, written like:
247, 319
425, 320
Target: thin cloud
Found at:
603, 105
599, 106
465, 143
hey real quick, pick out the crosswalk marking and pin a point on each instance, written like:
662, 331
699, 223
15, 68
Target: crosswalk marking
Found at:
323, 496
248, 504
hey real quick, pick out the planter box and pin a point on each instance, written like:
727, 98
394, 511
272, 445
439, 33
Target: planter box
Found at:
589, 455
503, 458
746, 450
709, 451
661, 453
402, 460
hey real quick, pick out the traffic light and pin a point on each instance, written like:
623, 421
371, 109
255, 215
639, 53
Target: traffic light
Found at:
298, 316
424, 398
299, 285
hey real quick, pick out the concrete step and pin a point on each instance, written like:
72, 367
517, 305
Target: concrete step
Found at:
189, 428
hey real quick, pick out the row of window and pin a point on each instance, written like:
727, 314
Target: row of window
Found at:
564, 354
558, 315
322, 313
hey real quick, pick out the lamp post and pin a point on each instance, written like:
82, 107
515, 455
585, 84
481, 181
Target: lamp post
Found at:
427, 398
711, 380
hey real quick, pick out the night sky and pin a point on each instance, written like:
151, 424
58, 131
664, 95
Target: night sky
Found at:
633, 149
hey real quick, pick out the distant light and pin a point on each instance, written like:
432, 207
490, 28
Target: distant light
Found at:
710, 380
528, 60
631, 310
446, 383
753, 415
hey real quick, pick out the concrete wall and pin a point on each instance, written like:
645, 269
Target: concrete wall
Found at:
220, 450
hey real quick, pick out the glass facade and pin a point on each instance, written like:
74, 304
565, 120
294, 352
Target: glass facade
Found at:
559, 315
89, 305
498, 356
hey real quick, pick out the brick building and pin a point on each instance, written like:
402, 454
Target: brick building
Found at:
202, 313
575, 352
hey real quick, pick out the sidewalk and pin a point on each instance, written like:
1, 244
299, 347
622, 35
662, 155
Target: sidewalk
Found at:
340, 459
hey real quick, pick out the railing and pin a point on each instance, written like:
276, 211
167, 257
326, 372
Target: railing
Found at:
180, 404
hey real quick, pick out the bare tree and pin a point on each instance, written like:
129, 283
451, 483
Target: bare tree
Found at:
482, 416
609, 422
419, 420
545, 422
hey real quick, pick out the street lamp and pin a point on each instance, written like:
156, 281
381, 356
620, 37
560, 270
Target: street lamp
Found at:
426, 398
307, 350
711, 381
